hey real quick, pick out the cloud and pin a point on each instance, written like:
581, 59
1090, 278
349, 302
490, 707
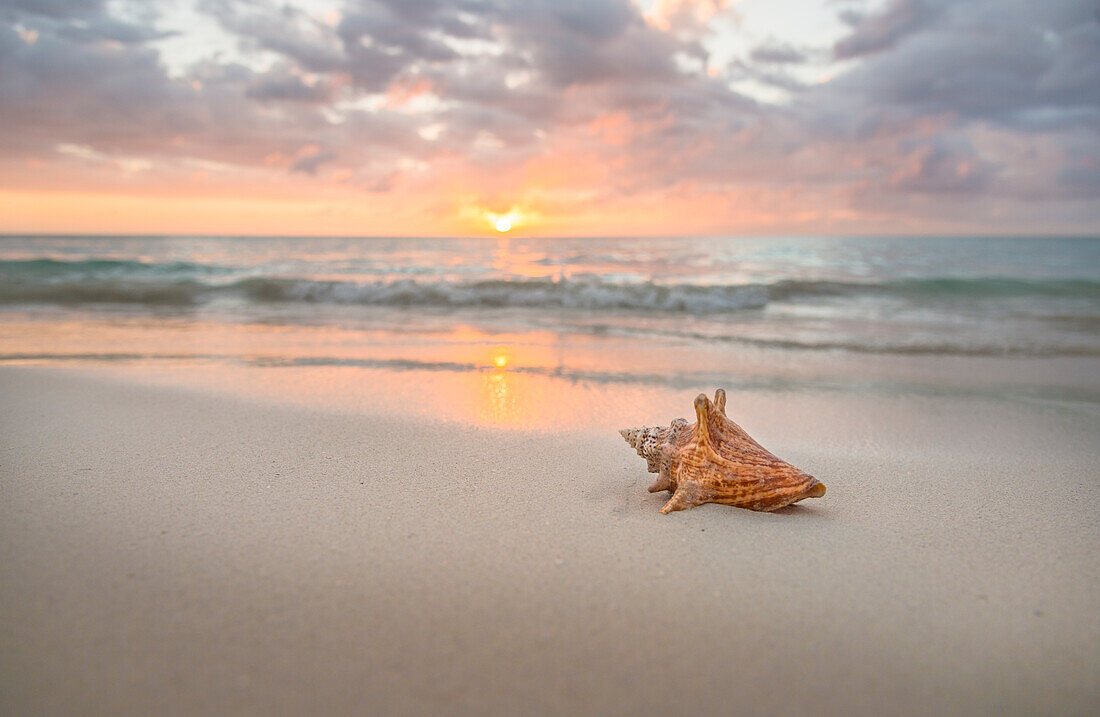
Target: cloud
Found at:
990, 102
56, 9
879, 31
81, 21
311, 157
282, 83
684, 16
995, 61
934, 166
56, 90
281, 29
775, 53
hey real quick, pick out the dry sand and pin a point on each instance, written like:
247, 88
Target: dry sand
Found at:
165, 552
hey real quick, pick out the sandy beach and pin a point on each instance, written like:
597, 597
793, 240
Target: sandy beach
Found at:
171, 551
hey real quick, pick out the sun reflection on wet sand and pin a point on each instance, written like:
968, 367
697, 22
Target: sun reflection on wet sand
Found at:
515, 380
497, 402
506, 398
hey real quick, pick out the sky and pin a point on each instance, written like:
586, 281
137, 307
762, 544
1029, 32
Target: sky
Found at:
550, 117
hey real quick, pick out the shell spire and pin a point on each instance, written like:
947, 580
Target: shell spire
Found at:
715, 461
657, 444
645, 440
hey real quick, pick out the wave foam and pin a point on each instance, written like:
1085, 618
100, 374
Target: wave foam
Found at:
507, 294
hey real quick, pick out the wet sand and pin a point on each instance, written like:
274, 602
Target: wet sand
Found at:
169, 551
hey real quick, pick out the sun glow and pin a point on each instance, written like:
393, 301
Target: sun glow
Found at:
505, 222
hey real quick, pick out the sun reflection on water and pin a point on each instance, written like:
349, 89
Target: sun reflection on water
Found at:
499, 401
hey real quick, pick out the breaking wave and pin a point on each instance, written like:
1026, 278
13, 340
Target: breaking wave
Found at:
186, 284
986, 287
488, 294
591, 295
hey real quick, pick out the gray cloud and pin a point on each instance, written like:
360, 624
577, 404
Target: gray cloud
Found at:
281, 29
939, 165
55, 90
57, 9
309, 163
777, 54
880, 31
576, 43
1009, 62
280, 84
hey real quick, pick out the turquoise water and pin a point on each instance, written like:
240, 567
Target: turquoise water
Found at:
947, 296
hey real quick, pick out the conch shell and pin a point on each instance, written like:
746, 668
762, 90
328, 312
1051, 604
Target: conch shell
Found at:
714, 461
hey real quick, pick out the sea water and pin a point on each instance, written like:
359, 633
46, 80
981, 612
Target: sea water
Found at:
554, 317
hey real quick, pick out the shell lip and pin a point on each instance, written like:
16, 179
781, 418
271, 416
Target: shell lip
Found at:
816, 489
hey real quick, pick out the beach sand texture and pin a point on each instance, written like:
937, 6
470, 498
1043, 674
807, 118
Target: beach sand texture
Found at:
165, 551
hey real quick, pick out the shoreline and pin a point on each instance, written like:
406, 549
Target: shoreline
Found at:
170, 551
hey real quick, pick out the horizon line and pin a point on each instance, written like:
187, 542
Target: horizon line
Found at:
510, 235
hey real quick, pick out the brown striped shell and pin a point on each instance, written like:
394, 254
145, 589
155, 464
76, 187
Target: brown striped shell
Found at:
715, 461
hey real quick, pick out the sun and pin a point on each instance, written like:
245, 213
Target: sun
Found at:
504, 222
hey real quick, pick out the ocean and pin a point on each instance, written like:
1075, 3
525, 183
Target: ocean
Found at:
376, 321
